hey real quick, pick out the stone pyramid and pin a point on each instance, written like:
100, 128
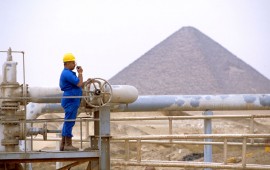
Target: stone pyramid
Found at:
189, 62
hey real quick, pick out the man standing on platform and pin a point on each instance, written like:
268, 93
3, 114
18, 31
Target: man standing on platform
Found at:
71, 85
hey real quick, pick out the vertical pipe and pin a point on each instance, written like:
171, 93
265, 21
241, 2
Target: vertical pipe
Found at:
139, 158
9, 107
126, 150
94, 140
170, 127
208, 130
251, 130
104, 139
58, 165
244, 149
25, 102
31, 139
94, 164
170, 132
86, 129
81, 132
225, 151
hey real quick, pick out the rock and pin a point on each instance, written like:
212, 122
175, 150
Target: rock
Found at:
234, 160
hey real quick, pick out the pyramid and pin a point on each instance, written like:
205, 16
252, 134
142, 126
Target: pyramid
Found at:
188, 62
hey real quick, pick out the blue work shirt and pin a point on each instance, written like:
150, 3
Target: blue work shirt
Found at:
68, 84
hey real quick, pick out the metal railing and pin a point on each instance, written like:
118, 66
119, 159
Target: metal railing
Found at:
44, 131
172, 139
83, 137
171, 118
183, 139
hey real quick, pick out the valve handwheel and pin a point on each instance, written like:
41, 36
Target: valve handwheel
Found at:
97, 92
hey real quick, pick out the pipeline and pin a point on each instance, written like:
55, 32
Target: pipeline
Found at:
196, 103
120, 94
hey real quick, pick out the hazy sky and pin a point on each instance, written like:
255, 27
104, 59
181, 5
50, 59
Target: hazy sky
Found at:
108, 35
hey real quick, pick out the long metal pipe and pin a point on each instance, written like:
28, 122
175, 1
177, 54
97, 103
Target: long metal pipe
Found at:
120, 94
34, 110
197, 103
44, 94
190, 136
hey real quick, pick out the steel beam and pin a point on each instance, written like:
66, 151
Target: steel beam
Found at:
22, 157
104, 141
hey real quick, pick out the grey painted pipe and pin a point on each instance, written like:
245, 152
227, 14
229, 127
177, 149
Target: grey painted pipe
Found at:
197, 103
208, 150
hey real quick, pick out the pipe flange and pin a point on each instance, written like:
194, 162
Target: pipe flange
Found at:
10, 105
10, 120
7, 122
10, 142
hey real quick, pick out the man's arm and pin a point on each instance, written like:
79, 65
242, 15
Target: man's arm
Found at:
80, 76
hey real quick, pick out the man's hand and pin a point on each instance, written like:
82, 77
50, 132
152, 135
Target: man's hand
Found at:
79, 69
80, 76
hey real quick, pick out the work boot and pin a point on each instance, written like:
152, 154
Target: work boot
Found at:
68, 145
62, 144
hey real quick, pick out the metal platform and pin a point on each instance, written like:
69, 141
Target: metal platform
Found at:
49, 156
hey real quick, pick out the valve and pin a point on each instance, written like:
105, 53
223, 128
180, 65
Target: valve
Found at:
97, 92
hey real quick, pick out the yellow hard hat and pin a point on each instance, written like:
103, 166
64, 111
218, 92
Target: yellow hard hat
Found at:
68, 57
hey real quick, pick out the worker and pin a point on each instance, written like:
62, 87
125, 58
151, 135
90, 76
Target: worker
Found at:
71, 85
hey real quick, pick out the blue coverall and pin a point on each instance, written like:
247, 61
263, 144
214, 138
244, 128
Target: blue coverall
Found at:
68, 84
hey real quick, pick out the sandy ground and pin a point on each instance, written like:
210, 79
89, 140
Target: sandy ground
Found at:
173, 152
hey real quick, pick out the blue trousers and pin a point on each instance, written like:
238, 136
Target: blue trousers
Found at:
70, 113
